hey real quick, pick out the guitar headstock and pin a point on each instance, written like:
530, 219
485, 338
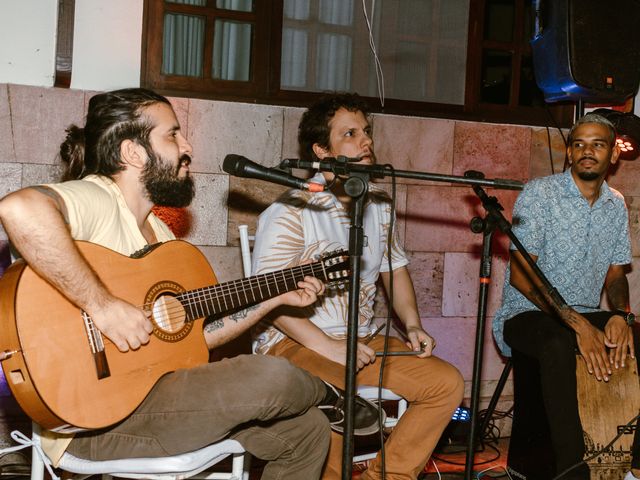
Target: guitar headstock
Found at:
335, 266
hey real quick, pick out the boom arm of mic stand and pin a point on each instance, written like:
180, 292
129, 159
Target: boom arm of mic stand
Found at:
493, 207
343, 166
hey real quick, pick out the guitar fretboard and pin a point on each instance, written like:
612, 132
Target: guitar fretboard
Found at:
230, 296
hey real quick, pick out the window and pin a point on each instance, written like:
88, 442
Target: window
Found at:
203, 46
421, 46
500, 79
451, 58
64, 43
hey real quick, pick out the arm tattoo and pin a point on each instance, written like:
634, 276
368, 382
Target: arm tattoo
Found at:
213, 325
242, 314
568, 316
539, 299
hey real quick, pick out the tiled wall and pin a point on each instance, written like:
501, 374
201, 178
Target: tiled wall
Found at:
434, 217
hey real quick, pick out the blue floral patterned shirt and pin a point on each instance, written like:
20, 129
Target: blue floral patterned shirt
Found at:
575, 243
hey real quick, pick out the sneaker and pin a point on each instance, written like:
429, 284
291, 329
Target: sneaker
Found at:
366, 413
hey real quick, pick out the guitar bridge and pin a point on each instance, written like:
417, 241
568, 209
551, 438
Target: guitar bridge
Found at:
97, 347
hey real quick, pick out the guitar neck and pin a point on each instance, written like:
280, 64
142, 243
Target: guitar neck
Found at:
230, 296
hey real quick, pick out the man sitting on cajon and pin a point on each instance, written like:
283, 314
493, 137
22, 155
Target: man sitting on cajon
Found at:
576, 228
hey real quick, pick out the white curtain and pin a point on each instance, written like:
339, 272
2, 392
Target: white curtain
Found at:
333, 65
421, 45
238, 5
294, 58
333, 51
199, 3
336, 12
232, 50
296, 9
183, 44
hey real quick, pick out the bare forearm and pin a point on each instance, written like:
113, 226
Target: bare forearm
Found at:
524, 279
617, 288
303, 331
404, 297
223, 330
36, 227
546, 303
219, 331
306, 333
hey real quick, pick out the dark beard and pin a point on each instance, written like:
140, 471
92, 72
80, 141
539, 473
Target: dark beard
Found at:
164, 187
588, 176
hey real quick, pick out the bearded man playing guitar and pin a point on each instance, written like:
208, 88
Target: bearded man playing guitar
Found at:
130, 156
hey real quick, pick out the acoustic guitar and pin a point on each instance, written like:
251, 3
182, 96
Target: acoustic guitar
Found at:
66, 376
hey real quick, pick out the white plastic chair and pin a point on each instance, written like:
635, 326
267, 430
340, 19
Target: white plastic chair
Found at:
188, 465
368, 392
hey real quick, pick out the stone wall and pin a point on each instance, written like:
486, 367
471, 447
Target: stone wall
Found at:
433, 217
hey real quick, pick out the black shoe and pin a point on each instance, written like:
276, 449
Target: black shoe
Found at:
366, 413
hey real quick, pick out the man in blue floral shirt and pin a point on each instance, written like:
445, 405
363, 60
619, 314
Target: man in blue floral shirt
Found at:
576, 228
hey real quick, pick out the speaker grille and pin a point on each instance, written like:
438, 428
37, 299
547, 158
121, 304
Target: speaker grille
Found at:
605, 44
588, 50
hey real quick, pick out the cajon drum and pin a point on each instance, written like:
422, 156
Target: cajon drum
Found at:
605, 409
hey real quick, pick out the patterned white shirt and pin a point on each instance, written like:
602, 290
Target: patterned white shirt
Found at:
575, 243
302, 225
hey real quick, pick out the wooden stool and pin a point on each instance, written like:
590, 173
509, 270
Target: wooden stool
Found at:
605, 408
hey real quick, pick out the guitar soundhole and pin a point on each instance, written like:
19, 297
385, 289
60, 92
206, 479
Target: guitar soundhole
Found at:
168, 314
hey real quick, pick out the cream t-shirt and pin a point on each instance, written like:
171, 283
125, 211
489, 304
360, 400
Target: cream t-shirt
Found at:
97, 213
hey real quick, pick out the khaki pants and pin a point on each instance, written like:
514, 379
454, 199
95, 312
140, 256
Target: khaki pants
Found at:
433, 388
263, 402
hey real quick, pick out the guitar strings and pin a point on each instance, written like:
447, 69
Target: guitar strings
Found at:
198, 303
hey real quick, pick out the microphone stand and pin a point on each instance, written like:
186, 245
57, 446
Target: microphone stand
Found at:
486, 226
356, 187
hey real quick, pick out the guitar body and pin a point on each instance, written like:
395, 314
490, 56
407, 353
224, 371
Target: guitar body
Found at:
53, 373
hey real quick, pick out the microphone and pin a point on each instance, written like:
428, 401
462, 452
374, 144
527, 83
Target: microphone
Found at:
324, 165
240, 166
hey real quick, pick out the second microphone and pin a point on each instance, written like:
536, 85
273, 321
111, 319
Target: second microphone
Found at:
240, 166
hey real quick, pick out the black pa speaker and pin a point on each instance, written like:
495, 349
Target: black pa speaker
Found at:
587, 49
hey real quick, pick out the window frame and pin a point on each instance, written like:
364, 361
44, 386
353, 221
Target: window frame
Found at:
205, 86
264, 85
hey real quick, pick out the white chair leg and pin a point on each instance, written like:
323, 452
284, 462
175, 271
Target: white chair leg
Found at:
237, 466
402, 407
37, 464
246, 467
245, 249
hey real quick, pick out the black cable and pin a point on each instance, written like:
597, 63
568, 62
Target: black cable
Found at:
564, 139
484, 462
555, 124
488, 438
387, 331
550, 151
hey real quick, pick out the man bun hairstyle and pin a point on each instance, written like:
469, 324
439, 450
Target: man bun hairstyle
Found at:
112, 117
72, 153
314, 126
